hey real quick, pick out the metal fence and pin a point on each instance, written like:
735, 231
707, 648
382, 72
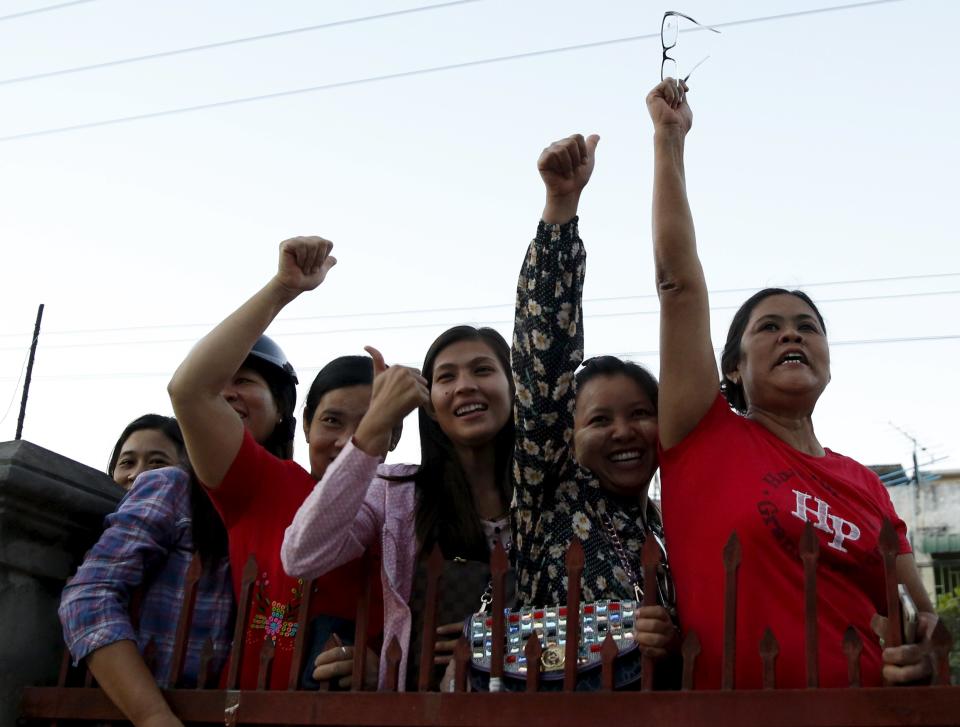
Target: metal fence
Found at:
76, 697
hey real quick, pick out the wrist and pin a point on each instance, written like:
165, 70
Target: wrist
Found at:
560, 209
669, 136
372, 438
280, 292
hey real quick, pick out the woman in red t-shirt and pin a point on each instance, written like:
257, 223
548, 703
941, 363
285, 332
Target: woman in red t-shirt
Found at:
760, 470
234, 396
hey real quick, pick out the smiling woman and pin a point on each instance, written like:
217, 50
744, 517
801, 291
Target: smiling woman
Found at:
586, 446
456, 499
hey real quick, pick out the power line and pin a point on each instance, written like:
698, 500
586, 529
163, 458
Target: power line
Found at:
415, 72
225, 43
45, 9
623, 354
438, 324
494, 306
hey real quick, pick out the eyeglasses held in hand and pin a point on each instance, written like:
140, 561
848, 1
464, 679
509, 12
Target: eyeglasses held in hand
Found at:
669, 33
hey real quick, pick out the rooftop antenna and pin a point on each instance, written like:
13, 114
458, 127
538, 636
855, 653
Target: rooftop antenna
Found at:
916, 478
26, 381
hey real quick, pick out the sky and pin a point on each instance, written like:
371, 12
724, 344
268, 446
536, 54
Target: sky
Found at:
823, 155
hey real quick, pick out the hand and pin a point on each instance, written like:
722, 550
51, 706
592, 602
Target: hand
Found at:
565, 167
668, 107
337, 664
304, 263
654, 631
911, 662
397, 391
443, 647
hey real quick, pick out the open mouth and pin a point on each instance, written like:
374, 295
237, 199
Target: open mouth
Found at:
462, 411
793, 358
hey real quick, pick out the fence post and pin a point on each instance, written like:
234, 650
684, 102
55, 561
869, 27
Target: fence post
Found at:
731, 563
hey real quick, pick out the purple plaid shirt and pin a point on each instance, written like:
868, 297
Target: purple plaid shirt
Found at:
148, 541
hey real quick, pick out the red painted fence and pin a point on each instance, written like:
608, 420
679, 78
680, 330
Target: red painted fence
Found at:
873, 707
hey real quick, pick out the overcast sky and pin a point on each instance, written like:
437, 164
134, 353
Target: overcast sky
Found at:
823, 154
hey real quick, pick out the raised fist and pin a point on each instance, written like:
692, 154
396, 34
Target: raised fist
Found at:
397, 391
668, 107
304, 262
566, 165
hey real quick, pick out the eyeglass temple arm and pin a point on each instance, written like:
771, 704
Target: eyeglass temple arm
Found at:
681, 15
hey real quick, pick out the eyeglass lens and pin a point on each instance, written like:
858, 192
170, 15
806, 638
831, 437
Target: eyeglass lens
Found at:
668, 69
669, 31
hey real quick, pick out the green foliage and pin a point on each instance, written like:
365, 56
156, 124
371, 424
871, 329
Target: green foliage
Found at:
948, 606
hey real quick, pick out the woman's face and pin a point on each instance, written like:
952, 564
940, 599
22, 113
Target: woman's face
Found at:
615, 433
250, 397
145, 449
334, 421
470, 393
784, 356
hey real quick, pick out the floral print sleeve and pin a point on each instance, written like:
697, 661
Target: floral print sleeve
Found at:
547, 348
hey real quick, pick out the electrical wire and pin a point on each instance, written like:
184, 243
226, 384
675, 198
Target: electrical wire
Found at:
438, 324
45, 9
415, 72
494, 306
226, 43
622, 355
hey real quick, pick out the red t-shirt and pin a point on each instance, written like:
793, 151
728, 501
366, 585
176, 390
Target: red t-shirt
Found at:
257, 500
730, 474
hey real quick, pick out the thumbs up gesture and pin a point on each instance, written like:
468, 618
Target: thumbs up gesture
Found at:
397, 391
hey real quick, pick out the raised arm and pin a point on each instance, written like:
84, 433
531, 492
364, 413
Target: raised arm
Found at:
212, 430
688, 370
547, 334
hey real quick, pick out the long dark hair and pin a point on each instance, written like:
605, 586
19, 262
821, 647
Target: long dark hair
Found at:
446, 513
730, 358
167, 426
207, 529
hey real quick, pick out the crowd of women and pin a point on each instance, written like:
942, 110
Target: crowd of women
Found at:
526, 445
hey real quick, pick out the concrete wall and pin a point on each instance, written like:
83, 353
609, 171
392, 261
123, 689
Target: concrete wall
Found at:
51, 512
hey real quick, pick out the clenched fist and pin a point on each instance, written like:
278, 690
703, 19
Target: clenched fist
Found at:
565, 167
668, 107
304, 263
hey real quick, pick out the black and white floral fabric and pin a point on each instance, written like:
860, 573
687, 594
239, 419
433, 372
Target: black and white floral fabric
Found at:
555, 499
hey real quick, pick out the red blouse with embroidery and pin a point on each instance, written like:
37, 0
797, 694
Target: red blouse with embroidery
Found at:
257, 499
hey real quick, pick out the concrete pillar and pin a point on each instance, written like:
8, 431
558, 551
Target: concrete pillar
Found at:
51, 512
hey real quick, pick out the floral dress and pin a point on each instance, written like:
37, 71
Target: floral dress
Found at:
555, 499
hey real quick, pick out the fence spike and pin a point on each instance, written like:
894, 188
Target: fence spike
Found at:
532, 651
650, 559
810, 554
732, 556
247, 579
852, 648
299, 656
203, 669
575, 561
369, 570
428, 636
461, 664
266, 663
940, 644
888, 545
194, 570
394, 655
769, 650
608, 654
690, 650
